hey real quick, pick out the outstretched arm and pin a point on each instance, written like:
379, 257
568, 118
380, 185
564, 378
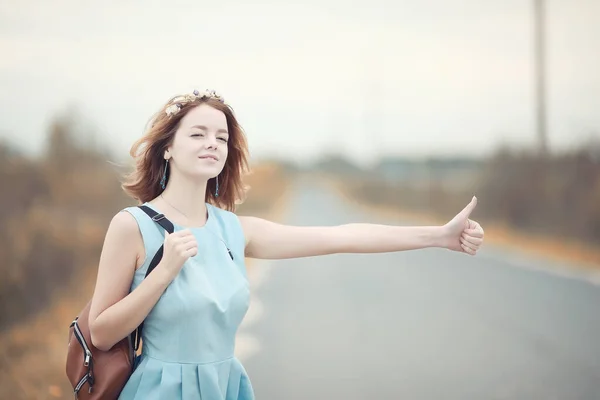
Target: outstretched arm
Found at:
270, 240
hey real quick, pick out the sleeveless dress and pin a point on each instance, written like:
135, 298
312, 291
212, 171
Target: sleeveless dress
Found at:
189, 336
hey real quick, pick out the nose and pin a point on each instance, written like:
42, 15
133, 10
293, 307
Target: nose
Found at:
211, 141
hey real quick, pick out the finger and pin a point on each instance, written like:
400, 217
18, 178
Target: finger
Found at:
191, 252
469, 208
478, 233
473, 240
186, 241
185, 237
187, 252
467, 250
472, 245
181, 237
181, 231
472, 224
469, 245
190, 244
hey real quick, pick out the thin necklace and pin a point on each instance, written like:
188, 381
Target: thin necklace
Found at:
212, 233
175, 208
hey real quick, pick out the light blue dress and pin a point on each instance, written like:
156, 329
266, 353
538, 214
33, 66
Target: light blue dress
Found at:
189, 336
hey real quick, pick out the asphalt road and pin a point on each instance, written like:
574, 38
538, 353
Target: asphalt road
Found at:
427, 324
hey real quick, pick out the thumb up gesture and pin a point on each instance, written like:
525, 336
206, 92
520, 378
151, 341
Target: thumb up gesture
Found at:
463, 234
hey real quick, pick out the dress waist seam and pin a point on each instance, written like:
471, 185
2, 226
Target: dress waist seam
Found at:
189, 362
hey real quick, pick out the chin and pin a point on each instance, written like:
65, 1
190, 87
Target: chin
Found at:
207, 173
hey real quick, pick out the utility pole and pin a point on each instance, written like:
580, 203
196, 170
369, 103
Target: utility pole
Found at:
540, 76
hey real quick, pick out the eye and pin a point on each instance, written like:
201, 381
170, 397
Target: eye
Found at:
197, 134
223, 139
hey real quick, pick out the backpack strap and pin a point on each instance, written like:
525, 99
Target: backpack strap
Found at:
167, 225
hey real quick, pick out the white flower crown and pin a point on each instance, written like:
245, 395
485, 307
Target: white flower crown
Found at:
179, 101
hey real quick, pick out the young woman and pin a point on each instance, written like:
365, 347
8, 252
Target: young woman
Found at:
189, 167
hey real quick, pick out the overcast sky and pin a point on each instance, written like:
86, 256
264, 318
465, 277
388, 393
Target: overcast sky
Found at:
424, 77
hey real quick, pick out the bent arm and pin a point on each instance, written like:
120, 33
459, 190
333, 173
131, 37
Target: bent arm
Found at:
270, 240
114, 312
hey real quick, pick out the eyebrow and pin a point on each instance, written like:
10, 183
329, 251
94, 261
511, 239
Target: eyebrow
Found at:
205, 128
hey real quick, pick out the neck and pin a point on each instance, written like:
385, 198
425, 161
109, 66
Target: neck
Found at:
185, 196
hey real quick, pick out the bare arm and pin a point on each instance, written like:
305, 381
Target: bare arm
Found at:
270, 240
114, 313
265, 239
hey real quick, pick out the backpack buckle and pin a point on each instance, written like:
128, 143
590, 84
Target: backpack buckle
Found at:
158, 217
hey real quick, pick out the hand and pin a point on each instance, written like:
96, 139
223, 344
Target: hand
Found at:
461, 233
177, 248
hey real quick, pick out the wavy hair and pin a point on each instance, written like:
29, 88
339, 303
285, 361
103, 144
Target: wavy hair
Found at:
143, 183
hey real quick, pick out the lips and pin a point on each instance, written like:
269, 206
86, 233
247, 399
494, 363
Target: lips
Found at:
210, 156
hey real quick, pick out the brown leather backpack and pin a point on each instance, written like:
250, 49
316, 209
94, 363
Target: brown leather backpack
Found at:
105, 373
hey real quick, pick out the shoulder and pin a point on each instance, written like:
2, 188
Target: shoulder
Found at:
124, 229
126, 226
123, 238
124, 222
250, 224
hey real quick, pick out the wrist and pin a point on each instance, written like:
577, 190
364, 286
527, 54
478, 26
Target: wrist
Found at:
429, 236
438, 237
163, 275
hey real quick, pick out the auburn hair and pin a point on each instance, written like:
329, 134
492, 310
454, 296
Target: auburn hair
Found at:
143, 183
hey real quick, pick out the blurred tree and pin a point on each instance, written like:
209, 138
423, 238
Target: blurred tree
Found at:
52, 210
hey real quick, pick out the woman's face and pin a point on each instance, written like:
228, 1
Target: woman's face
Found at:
199, 148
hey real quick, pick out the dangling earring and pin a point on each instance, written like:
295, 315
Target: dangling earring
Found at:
217, 189
163, 180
